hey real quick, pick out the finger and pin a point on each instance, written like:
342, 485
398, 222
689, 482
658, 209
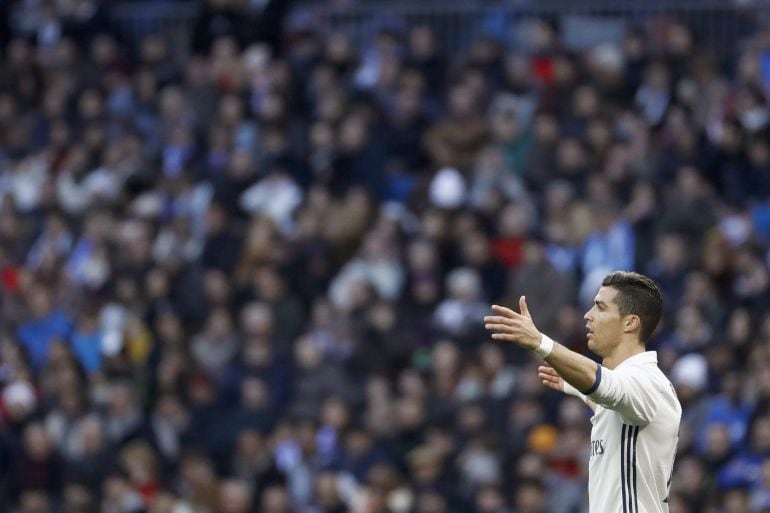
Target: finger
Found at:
506, 312
548, 377
496, 319
505, 336
548, 370
551, 385
553, 374
523, 308
502, 328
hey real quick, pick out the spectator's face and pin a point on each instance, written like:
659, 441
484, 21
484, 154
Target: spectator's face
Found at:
490, 500
197, 471
689, 477
599, 136
219, 325
671, 252
471, 419
122, 400
678, 504
531, 466
461, 101
407, 103
169, 327
736, 501
411, 384
257, 352
146, 85
257, 319
37, 445
422, 256
71, 402
504, 125
425, 292
19, 53
570, 155
231, 109
476, 249
163, 502
411, 413
54, 103
605, 325
90, 105
39, 302
241, 164
431, 502
169, 408
254, 394
139, 463
492, 358
326, 491
234, 497
7, 108
759, 153
250, 445
335, 413
760, 436
717, 441
357, 443
514, 220
92, 435
530, 498
77, 498
586, 102
34, 501
422, 42
154, 49
275, 499
445, 358
657, 77
307, 355
382, 317
353, 133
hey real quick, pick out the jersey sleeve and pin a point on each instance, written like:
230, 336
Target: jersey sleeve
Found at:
630, 391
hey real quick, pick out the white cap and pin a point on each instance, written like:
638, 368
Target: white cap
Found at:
21, 394
690, 370
447, 190
607, 56
112, 343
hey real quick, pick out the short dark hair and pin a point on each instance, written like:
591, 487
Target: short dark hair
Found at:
637, 295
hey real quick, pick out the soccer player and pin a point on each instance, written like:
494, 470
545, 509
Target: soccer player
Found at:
636, 411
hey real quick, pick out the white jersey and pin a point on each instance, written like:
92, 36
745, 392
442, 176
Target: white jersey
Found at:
633, 439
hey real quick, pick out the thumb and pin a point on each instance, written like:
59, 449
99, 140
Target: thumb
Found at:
523, 307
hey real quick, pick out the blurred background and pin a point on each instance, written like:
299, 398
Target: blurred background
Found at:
246, 246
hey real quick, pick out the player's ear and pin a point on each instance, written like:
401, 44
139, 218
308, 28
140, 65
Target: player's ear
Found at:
631, 323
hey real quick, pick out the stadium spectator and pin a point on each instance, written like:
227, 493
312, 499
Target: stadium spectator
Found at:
247, 271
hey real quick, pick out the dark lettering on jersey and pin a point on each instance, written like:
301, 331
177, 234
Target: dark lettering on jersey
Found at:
597, 447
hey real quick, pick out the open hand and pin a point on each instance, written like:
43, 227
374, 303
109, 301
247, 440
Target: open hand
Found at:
513, 327
550, 378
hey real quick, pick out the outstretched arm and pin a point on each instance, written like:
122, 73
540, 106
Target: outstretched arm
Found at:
632, 394
551, 379
579, 371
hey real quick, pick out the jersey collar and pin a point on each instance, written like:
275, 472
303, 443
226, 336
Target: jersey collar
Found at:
645, 357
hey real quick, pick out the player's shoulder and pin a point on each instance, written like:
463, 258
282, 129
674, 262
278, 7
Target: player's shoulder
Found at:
647, 372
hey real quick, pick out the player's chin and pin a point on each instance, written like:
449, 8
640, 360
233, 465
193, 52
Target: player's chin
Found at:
591, 343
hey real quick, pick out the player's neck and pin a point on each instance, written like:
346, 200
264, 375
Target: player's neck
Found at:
623, 352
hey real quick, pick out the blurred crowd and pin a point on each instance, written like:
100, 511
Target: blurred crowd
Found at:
250, 277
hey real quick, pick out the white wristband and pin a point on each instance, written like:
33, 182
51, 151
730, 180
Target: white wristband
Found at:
545, 347
574, 392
